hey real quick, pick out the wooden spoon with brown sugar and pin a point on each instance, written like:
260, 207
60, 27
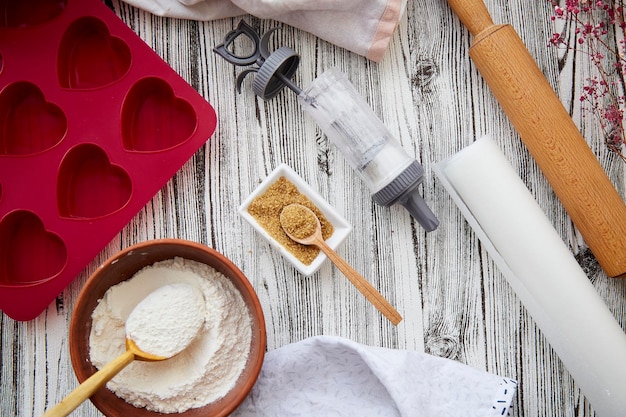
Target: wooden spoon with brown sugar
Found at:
302, 225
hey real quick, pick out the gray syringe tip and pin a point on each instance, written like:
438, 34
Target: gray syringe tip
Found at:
404, 189
418, 208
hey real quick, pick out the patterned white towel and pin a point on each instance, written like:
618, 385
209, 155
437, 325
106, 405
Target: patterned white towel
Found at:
332, 376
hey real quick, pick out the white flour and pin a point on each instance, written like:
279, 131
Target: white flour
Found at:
167, 320
202, 373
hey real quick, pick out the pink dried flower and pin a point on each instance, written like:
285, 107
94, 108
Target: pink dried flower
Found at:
600, 32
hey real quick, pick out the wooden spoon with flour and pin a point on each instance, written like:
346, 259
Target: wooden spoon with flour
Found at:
161, 326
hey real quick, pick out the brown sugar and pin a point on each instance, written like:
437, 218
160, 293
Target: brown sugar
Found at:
266, 209
297, 221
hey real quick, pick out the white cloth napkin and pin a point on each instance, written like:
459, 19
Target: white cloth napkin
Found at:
361, 26
332, 376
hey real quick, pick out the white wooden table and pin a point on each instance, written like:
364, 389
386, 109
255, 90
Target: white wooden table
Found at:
454, 300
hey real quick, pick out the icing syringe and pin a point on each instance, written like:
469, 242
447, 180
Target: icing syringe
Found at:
344, 116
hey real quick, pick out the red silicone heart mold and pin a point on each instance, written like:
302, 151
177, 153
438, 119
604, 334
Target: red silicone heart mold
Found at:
89, 57
89, 186
154, 119
93, 123
28, 123
28, 13
28, 253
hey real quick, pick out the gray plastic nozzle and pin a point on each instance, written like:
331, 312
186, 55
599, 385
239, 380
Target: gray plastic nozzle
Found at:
404, 190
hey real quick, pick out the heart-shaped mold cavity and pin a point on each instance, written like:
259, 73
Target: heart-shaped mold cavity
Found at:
89, 186
154, 119
28, 123
28, 13
28, 252
90, 57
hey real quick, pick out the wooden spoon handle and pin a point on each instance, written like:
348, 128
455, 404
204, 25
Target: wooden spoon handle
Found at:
473, 14
361, 284
90, 385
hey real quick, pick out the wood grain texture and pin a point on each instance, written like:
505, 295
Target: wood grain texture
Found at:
454, 301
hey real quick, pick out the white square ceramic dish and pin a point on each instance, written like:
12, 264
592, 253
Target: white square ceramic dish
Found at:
341, 226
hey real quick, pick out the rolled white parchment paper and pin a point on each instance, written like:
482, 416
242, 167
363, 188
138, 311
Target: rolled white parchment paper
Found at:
541, 270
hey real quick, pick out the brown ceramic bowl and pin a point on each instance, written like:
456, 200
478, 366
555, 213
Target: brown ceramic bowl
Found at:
123, 266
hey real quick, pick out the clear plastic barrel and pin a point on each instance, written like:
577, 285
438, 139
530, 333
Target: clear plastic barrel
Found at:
391, 174
353, 127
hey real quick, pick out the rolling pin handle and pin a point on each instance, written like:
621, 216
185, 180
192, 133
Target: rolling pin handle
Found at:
473, 14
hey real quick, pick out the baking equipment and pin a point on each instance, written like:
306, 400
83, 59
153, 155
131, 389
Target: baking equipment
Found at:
552, 138
363, 285
541, 270
92, 124
392, 176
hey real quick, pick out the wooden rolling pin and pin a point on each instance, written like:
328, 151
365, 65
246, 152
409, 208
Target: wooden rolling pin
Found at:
549, 134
